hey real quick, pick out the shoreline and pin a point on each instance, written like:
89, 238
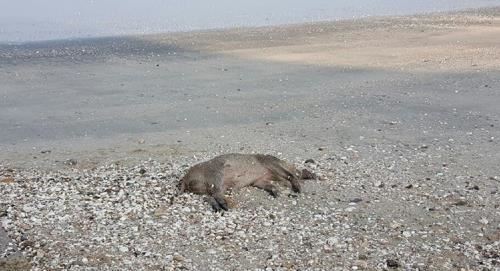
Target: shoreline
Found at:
125, 26
365, 22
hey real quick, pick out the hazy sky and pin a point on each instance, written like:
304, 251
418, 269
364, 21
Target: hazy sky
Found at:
27, 20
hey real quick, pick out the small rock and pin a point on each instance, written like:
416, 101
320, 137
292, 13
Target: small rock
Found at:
406, 234
484, 221
28, 209
321, 148
350, 209
474, 187
356, 200
141, 141
409, 186
363, 257
142, 171
160, 211
40, 253
460, 203
395, 225
27, 244
391, 263
71, 162
361, 264
123, 249
179, 258
332, 241
424, 147
7, 180
310, 161
46, 151
327, 249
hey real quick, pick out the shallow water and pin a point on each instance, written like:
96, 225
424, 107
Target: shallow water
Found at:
32, 20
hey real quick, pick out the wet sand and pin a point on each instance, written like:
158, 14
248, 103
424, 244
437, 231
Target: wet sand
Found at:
301, 91
322, 84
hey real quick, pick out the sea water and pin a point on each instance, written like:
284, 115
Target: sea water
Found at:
35, 20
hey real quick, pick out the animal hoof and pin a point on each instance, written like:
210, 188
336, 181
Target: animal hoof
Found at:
274, 193
222, 204
296, 187
216, 208
217, 204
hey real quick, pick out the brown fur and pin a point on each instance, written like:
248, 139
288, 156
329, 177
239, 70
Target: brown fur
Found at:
235, 171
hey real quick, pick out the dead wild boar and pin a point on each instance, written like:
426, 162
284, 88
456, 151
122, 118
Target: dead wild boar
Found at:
234, 171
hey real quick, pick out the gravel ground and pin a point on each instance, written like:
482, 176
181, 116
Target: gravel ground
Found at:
368, 210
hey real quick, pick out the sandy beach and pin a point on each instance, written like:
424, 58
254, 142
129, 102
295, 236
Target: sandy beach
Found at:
401, 116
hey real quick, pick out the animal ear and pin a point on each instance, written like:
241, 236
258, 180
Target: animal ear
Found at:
307, 175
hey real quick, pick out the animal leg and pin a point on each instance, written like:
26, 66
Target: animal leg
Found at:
295, 184
214, 186
296, 187
217, 202
267, 186
280, 171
